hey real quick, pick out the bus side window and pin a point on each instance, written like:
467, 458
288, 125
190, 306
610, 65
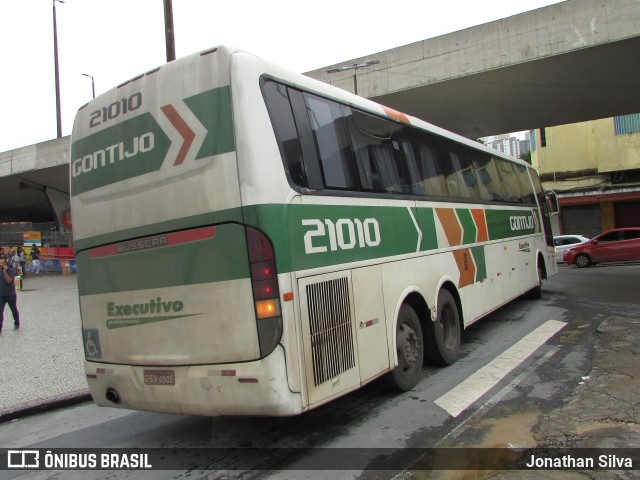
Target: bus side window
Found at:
488, 179
277, 100
528, 195
509, 180
461, 178
332, 142
380, 160
421, 152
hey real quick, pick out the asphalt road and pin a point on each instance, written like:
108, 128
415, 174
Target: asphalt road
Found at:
338, 435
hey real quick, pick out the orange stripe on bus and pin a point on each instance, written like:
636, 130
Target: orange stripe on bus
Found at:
481, 224
395, 114
467, 268
451, 225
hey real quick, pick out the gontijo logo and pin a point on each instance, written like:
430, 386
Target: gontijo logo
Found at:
109, 155
524, 222
131, 143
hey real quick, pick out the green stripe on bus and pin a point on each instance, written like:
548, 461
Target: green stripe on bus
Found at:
320, 235
469, 230
223, 257
481, 262
427, 221
304, 237
214, 110
504, 224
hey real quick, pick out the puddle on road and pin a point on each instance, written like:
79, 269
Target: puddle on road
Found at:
492, 432
486, 433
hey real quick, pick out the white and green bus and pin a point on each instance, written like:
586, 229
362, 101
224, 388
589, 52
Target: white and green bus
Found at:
251, 241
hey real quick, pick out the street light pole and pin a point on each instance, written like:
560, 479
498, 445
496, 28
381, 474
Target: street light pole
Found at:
57, 73
168, 31
355, 68
93, 86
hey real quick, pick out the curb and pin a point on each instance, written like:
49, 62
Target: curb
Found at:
49, 404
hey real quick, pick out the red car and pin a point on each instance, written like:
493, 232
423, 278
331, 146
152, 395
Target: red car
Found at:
616, 245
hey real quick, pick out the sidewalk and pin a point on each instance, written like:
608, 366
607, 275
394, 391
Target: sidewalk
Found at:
41, 364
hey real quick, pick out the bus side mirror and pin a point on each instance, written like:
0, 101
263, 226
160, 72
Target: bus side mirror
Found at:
552, 202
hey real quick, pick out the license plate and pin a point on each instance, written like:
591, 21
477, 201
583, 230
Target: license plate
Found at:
159, 377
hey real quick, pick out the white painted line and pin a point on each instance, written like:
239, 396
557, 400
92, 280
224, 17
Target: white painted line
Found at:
493, 401
456, 400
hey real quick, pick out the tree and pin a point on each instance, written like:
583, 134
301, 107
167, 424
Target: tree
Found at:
526, 157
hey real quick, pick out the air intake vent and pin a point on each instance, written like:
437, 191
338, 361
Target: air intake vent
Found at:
330, 327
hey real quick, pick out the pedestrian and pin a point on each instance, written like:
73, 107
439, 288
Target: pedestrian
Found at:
35, 259
15, 261
8, 294
23, 261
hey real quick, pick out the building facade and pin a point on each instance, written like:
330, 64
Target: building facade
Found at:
594, 167
504, 143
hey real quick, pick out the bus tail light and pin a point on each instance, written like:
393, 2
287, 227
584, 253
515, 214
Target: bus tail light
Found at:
266, 295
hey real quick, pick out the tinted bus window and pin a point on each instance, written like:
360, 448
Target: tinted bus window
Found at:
526, 189
381, 164
459, 173
488, 179
332, 142
277, 99
509, 181
421, 152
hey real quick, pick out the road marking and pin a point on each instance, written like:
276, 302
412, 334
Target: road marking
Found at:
456, 400
494, 400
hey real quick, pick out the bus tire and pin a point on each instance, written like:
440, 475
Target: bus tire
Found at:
444, 337
410, 350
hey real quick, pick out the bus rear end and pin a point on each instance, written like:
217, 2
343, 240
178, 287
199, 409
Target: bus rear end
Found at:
179, 297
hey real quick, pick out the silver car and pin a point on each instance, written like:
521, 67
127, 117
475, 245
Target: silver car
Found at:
565, 242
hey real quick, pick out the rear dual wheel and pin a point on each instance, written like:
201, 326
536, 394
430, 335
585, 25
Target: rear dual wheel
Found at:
410, 351
443, 344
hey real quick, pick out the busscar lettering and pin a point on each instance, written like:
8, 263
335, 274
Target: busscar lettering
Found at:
114, 153
142, 244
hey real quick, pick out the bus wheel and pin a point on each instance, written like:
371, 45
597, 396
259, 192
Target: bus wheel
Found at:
410, 350
583, 261
445, 334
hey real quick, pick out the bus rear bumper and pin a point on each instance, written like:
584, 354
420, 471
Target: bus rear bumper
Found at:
253, 388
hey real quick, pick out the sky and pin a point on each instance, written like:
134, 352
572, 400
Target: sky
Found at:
114, 40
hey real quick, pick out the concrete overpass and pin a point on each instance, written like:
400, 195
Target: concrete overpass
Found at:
574, 61
34, 181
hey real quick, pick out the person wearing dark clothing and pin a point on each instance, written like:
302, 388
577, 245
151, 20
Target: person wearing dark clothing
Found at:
8, 293
35, 259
